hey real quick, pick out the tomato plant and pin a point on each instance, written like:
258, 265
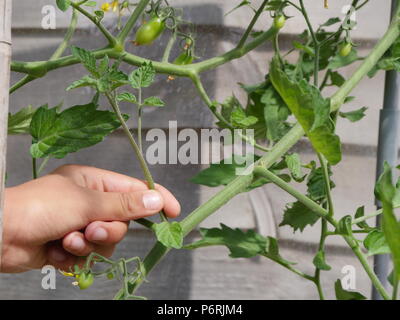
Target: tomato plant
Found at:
289, 103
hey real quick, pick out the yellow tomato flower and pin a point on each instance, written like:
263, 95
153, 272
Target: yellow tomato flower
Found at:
115, 5
105, 7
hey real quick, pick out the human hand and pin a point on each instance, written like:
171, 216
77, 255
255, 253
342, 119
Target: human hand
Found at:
62, 217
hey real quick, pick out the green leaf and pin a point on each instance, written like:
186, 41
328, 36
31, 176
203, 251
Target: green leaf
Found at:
86, 81
142, 77
320, 263
99, 15
87, 58
275, 114
342, 294
330, 22
57, 134
241, 4
355, 115
359, 214
154, 102
240, 244
127, 96
344, 226
311, 110
294, 165
375, 243
338, 61
225, 171
386, 193
169, 234
222, 173
298, 216
63, 5
20, 121
336, 79
239, 119
90, 4
316, 187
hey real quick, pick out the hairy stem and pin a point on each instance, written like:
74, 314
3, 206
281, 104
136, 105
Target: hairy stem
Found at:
251, 25
99, 25
139, 155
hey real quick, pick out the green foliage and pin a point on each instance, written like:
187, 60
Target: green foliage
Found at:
240, 244
360, 213
20, 121
342, 294
386, 192
56, 133
390, 61
294, 165
142, 77
225, 172
311, 110
339, 61
298, 216
376, 243
103, 77
319, 261
355, 115
63, 5
128, 97
154, 102
170, 234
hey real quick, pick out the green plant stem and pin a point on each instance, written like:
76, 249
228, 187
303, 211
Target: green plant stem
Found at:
369, 62
19, 84
34, 168
395, 287
139, 155
292, 269
67, 37
364, 262
315, 42
321, 247
325, 169
139, 120
168, 48
351, 241
99, 25
312, 205
141, 6
146, 223
42, 67
253, 21
58, 53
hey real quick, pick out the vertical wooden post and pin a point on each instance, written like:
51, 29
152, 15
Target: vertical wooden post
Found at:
5, 57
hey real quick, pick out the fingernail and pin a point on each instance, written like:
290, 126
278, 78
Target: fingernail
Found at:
77, 243
57, 255
99, 234
152, 200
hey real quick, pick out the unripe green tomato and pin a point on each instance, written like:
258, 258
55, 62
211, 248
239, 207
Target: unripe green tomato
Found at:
85, 280
110, 276
149, 31
345, 49
183, 59
279, 21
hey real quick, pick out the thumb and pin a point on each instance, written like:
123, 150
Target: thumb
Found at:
120, 206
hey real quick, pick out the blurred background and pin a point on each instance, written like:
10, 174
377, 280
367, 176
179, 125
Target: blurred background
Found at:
206, 273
